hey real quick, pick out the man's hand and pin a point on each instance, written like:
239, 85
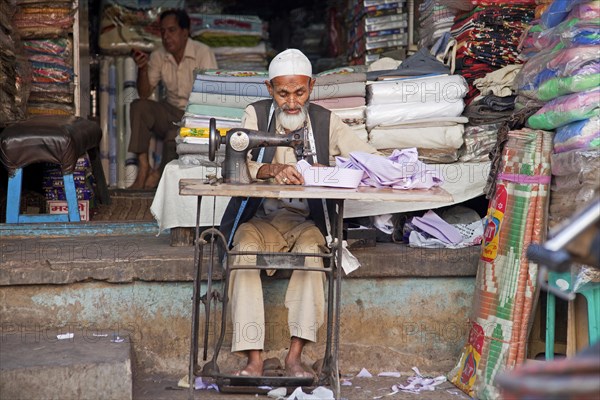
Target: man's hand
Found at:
283, 174
140, 58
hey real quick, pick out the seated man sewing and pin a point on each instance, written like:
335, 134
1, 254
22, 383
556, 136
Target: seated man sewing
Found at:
284, 225
174, 65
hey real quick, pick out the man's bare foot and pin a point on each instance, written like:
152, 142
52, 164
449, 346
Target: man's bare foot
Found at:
253, 368
152, 180
295, 369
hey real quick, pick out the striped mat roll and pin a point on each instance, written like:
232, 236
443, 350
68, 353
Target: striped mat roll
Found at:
506, 280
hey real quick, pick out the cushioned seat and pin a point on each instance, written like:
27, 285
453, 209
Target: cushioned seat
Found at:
55, 139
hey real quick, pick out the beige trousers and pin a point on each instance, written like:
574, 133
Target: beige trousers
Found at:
304, 298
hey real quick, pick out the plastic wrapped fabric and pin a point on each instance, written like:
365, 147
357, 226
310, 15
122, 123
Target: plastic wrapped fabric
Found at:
60, 47
422, 89
575, 162
556, 87
556, 13
122, 29
397, 113
563, 202
580, 135
433, 137
572, 32
581, 60
479, 142
566, 109
576, 181
586, 10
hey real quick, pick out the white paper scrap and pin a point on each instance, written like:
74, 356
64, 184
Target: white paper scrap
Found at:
390, 374
346, 382
64, 336
364, 374
349, 262
320, 393
278, 393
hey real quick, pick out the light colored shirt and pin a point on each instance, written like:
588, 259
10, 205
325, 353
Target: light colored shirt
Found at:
179, 78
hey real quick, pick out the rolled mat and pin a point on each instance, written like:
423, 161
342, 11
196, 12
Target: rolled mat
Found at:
506, 280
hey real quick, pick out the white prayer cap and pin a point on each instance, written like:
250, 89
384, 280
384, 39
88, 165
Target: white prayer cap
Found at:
290, 62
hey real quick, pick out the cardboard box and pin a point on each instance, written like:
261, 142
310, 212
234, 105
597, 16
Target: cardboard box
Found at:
60, 207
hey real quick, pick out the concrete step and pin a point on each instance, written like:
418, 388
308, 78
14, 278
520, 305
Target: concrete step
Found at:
36, 365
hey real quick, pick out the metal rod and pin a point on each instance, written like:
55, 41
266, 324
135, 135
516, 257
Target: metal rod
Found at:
338, 298
195, 302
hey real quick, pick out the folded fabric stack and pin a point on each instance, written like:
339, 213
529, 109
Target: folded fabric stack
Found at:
565, 77
375, 27
45, 29
238, 41
421, 111
125, 26
342, 90
13, 69
488, 37
487, 112
435, 19
221, 95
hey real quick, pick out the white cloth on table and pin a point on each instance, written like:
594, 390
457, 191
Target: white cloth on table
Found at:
172, 210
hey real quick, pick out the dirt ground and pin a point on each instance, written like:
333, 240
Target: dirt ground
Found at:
165, 388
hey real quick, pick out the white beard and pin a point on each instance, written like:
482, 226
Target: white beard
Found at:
291, 122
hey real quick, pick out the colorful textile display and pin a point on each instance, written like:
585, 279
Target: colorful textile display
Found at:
435, 19
506, 280
375, 28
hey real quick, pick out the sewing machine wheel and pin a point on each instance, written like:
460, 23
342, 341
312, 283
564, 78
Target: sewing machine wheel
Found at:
214, 139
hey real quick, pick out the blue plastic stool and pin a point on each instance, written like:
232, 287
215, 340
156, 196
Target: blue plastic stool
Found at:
13, 202
54, 139
592, 296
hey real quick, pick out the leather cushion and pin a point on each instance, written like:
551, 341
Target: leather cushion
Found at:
56, 139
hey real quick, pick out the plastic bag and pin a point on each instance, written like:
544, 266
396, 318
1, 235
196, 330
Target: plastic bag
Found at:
580, 135
576, 181
566, 109
555, 87
586, 10
575, 162
556, 13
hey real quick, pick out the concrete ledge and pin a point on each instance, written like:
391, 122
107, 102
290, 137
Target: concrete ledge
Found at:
120, 259
36, 366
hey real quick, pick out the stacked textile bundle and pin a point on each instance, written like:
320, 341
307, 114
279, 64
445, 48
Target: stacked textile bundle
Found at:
409, 109
435, 19
218, 94
45, 29
13, 71
565, 77
123, 28
342, 90
488, 37
487, 112
238, 41
506, 280
376, 26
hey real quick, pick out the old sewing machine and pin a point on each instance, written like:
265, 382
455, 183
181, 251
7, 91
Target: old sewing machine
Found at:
236, 183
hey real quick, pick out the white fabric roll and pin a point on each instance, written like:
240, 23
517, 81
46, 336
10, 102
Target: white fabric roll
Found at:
433, 137
439, 88
395, 113
350, 113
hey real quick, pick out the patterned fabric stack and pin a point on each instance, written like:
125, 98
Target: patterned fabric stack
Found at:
53, 185
506, 280
488, 37
14, 75
342, 91
45, 29
218, 94
435, 19
238, 41
375, 27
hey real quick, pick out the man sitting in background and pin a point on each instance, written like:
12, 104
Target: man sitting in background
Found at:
174, 65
